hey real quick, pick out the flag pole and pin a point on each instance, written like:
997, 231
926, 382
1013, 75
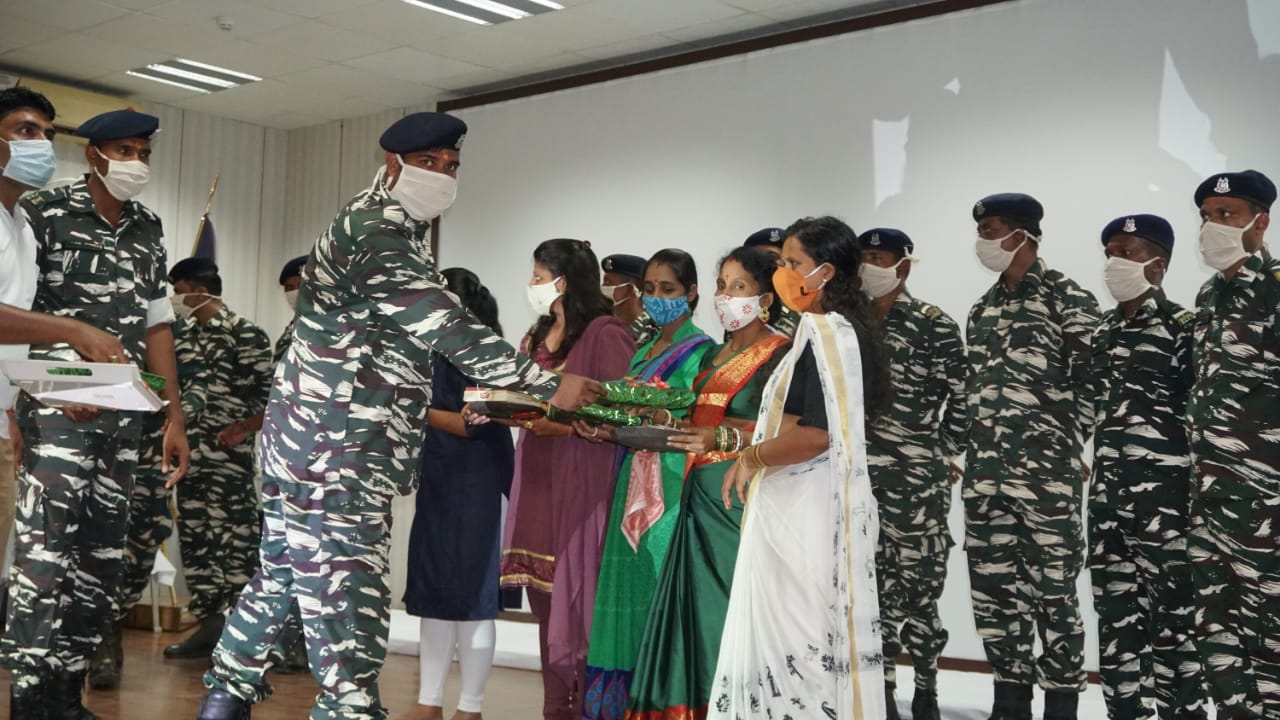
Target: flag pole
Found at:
208, 205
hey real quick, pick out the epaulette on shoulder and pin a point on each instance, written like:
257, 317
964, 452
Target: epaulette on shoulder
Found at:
48, 197
933, 312
1185, 318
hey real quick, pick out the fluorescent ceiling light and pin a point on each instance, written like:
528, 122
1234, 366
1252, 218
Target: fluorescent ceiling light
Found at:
145, 76
488, 12
193, 75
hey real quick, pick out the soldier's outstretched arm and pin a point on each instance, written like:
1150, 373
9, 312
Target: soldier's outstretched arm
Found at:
27, 327
408, 290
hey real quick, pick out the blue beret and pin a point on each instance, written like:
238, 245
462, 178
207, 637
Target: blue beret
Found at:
771, 236
1249, 185
629, 265
1016, 206
424, 131
192, 267
895, 241
293, 268
1148, 227
118, 124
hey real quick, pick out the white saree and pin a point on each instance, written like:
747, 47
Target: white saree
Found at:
802, 633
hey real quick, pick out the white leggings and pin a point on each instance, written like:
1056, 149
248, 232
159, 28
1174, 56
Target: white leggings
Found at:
474, 641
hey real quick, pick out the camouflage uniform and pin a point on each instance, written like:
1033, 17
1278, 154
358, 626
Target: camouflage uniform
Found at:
282, 343
150, 517
66, 571
1029, 410
644, 329
908, 447
1138, 509
786, 321
340, 440
218, 523
1235, 496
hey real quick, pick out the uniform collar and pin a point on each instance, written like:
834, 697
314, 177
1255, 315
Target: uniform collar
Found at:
80, 200
1029, 282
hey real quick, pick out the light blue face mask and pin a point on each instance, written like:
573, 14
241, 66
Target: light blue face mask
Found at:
31, 162
665, 311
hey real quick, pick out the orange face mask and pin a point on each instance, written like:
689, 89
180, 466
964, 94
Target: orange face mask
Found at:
793, 288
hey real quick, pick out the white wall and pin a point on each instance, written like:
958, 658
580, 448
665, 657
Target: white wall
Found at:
1097, 107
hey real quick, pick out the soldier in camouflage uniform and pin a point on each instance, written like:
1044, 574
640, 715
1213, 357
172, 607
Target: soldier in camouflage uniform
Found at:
150, 514
910, 446
623, 276
343, 426
101, 260
218, 522
1030, 411
770, 240
1141, 375
1235, 449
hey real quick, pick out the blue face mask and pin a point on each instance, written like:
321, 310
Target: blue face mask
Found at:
665, 311
31, 162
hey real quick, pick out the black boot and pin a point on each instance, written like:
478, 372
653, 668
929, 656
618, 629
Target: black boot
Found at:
65, 701
202, 641
924, 706
108, 660
1012, 702
222, 705
28, 700
1061, 704
890, 702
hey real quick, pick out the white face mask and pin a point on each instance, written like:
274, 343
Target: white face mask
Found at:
1222, 246
185, 311
610, 290
879, 281
424, 194
291, 297
1126, 279
124, 178
994, 257
737, 312
542, 297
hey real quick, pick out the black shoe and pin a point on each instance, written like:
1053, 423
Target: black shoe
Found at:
890, 703
29, 702
924, 706
65, 701
222, 705
202, 641
108, 661
1012, 702
1061, 704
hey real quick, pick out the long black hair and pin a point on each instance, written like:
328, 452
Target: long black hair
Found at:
474, 296
760, 265
682, 264
829, 240
582, 301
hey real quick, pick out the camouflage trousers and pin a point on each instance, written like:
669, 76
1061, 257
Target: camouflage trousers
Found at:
150, 518
1024, 558
1235, 565
912, 574
328, 547
72, 511
1142, 592
219, 526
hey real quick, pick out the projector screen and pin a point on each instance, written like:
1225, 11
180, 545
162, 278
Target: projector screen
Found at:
1097, 107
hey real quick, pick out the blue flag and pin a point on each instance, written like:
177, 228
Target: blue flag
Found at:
206, 242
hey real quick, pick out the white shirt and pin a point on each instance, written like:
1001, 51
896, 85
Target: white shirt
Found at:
18, 276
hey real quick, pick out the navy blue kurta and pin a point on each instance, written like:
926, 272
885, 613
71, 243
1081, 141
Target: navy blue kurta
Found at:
456, 539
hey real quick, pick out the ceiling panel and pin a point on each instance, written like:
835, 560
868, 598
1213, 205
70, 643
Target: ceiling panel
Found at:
412, 65
257, 58
168, 37
316, 39
15, 33
78, 56
655, 16
68, 14
394, 23
311, 8
246, 19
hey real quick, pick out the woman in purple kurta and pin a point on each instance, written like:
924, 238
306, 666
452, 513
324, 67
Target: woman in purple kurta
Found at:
564, 484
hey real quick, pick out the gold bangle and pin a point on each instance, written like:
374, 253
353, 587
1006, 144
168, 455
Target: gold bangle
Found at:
759, 459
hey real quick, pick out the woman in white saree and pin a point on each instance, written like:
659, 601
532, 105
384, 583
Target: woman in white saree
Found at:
802, 634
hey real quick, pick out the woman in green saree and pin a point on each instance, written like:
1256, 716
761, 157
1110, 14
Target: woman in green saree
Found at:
681, 637
646, 500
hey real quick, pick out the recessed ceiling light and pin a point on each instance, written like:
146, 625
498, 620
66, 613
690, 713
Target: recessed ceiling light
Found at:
488, 12
193, 75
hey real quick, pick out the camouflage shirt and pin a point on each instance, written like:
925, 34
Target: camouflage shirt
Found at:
1141, 375
108, 277
910, 441
1029, 402
193, 373
1234, 409
236, 355
786, 321
350, 399
282, 342
644, 329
